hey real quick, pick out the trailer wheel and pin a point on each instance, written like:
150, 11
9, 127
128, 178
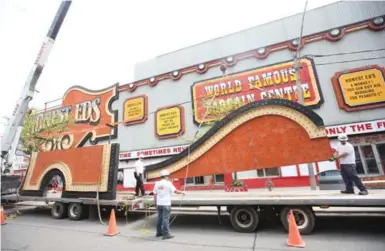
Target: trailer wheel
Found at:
244, 219
75, 211
59, 210
304, 218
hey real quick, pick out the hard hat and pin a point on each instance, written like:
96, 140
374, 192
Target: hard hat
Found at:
164, 173
342, 137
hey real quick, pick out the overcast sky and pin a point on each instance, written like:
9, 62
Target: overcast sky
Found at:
101, 40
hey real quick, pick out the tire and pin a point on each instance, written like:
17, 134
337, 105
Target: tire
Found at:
304, 218
244, 219
75, 211
59, 210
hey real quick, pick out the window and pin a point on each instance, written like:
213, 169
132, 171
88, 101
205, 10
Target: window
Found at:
369, 159
268, 172
381, 155
190, 180
219, 178
198, 180
359, 165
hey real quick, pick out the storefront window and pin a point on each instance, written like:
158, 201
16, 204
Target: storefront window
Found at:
370, 159
219, 178
199, 180
381, 154
359, 166
268, 172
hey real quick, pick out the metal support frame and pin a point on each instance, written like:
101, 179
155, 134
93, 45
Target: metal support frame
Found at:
112, 127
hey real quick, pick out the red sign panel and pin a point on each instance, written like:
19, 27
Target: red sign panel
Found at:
89, 111
257, 84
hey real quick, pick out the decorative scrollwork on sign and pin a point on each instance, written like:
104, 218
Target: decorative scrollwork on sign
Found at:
62, 142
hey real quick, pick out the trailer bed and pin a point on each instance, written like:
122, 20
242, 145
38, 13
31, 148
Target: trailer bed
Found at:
375, 198
122, 198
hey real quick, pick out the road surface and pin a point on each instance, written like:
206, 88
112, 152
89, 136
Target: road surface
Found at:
35, 230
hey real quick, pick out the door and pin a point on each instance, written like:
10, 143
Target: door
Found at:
369, 160
359, 164
381, 155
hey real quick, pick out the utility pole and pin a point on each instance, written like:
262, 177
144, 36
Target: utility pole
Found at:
297, 59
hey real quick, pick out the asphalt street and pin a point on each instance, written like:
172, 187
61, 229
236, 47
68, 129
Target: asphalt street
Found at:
35, 230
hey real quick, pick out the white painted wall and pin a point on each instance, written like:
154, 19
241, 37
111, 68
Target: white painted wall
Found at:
289, 171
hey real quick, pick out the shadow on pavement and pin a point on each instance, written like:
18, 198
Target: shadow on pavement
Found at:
190, 222
45, 213
363, 225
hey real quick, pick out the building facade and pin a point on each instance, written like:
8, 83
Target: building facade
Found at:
342, 77
342, 72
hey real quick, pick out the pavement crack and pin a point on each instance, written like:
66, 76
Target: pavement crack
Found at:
254, 241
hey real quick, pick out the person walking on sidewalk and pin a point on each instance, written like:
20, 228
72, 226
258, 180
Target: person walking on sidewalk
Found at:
346, 155
163, 191
139, 169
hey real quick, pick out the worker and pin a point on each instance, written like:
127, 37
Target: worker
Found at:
347, 157
163, 191
138, 174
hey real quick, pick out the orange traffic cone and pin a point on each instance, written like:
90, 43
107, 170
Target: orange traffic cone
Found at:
295, 239
111, 231
2, 217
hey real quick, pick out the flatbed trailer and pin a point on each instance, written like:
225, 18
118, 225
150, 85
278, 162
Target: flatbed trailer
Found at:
79, 208
246, 209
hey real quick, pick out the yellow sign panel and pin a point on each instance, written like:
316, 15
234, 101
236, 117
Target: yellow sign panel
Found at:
134, 109
169, 121
363, 87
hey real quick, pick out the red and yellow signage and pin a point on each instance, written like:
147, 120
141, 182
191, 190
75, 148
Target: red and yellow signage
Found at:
360, 88
89, 111
257, 84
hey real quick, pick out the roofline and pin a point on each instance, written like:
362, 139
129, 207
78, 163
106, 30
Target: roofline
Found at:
239, 31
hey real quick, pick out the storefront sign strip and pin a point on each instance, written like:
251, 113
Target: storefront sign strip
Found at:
357, 128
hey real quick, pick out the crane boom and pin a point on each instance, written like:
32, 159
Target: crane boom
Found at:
12, 130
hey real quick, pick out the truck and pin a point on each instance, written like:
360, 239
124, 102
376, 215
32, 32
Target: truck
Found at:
245, 209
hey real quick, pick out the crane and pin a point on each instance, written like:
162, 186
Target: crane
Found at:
13, 129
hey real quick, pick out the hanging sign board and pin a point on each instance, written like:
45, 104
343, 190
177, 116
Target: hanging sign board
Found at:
169, 122
135, 110
361, 88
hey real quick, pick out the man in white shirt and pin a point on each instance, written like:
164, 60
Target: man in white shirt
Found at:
139, 169
163, 191
347, 157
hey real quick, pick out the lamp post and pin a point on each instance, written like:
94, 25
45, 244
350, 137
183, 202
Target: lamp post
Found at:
297, 67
